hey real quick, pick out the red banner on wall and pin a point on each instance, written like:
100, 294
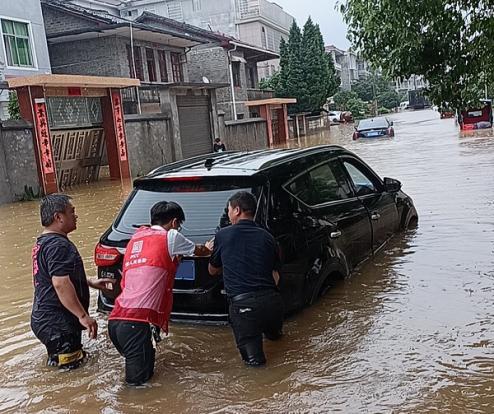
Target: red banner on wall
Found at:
44, 141
119, 124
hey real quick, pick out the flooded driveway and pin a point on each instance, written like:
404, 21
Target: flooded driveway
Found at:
411, 331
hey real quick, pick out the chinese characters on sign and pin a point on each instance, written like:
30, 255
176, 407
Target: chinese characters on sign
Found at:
44, 141
119, 125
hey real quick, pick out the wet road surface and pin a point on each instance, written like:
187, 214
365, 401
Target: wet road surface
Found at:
412, 331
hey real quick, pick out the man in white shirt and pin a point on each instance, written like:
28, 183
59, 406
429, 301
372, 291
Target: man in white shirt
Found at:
149, 266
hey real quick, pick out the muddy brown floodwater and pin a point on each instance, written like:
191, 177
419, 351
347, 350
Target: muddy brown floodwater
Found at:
411, 332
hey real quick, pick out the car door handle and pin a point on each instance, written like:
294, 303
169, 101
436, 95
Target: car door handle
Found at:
375, 216
335, 234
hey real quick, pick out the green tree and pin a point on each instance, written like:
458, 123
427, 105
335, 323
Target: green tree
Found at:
341, 99
13, 106
306, 71
449, 42
388, 99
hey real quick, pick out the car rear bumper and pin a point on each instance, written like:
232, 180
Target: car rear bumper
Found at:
205, 306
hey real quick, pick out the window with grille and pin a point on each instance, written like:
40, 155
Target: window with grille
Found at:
236, 74
175, 10
196, 5
151, 64
162, 65
17, 43
135, 66
177, 69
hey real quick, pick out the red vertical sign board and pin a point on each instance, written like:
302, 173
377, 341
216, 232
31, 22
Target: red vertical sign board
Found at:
43, 135
119, 124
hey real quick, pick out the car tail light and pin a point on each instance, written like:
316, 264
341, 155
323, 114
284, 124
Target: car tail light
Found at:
355, 135
106, 256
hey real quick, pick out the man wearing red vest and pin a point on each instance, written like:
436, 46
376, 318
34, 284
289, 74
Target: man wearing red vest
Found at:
149, 265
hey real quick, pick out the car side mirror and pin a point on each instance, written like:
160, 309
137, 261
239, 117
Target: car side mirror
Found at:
391, 185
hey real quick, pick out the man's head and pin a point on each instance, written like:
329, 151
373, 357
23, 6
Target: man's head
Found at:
168, 215
241, 206
217, 140
57, 213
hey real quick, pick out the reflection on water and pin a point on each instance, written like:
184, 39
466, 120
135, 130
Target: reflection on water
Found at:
411, 331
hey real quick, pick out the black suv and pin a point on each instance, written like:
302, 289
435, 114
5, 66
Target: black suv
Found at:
326, 208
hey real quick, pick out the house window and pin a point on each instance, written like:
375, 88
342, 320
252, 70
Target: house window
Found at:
151, 64
135, 67
196, 5
251, 77
162, 65
17, 43
177, 70
174, 9
236, 74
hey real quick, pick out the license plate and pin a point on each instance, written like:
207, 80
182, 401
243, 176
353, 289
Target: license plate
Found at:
186, 270
373, 134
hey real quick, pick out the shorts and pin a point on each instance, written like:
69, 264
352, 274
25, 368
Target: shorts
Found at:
64, 347
133, 341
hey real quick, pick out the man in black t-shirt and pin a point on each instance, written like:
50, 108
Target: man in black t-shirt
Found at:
61, 290
248, 257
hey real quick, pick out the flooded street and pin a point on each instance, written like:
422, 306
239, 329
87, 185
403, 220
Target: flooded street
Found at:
411, 332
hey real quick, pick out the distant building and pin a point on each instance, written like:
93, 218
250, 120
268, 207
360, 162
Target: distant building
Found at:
260, 23
414, 82
349, 66
24, 51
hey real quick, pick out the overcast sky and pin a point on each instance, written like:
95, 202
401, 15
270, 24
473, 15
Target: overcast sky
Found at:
322, 12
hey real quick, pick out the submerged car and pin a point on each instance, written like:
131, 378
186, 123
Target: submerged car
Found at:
326, 208
374, 128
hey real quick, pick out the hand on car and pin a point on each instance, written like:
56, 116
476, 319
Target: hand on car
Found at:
104, 284
209, 244
90, 324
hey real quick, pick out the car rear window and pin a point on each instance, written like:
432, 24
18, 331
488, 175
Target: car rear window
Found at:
372, 123
203, 205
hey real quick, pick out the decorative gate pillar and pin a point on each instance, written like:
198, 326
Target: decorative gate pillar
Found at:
32, 106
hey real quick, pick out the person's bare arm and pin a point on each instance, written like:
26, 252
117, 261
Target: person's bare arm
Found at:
102, 284
276, 277
202, 250
67, 295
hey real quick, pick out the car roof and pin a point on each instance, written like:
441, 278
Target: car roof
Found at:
377, 120
236, 163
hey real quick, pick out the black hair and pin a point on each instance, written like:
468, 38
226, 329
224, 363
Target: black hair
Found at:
245, 201
163, 212
52, 204
217, 140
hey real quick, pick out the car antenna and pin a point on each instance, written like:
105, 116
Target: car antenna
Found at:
209, 163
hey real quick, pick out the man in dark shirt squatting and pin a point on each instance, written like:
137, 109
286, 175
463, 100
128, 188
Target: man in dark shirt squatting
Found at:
247, 255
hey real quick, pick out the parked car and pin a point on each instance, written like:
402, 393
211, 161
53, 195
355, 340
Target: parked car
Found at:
374, 128
476, 118
335, 117
326, 208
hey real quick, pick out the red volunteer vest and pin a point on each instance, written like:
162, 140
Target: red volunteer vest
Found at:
147, 281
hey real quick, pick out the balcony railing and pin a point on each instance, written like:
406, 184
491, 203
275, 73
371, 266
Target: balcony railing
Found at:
248, 9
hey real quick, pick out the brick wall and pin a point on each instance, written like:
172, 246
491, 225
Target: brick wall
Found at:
58, 22
105, 56
212, 62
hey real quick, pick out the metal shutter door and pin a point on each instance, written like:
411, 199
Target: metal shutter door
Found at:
195, 125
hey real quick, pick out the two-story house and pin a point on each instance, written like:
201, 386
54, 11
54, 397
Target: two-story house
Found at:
88, 42
23, 50
260, 23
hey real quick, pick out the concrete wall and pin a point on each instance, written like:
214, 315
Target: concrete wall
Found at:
149, 142
245, 135
17, 161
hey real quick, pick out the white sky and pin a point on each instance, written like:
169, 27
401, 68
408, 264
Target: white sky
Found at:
322, 12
